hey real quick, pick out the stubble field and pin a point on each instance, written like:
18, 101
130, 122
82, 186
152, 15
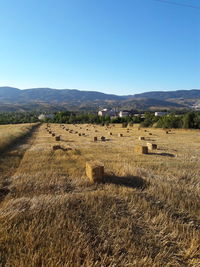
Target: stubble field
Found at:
146, 213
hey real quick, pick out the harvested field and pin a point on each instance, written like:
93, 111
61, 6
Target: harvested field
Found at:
146, 213
9, 134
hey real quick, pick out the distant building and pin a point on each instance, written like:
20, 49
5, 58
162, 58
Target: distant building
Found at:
139, 115
160, 114
124, 113
106, 112
43, 117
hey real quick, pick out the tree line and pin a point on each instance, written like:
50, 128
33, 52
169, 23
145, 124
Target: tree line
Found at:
189, 120
172, 120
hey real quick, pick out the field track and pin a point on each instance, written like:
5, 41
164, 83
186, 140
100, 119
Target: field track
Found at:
147, 213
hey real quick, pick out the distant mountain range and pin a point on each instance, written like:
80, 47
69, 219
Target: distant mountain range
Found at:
47, 99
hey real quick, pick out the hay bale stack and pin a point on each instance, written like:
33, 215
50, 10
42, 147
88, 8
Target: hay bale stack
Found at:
141, 138
95, 171
57, 138
95, 138
120, 135
140, 149
151, 146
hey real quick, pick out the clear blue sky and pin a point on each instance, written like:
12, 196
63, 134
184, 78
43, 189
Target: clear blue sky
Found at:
113, 46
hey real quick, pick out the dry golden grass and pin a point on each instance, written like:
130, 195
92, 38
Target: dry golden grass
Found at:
12, 132
147, 213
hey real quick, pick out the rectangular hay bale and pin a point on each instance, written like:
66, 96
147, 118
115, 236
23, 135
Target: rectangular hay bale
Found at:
151, 146
141, 138
95, 171
140, 149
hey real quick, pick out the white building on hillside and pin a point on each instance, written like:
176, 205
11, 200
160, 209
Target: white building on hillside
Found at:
43, 117
106, 112
160, 114
124, 113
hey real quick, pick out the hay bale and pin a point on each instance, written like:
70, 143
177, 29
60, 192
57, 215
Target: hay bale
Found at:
53, 134
56, 147
141, 138
140, 149
95, 138
120, 135
103, 138
150, 133
79, 134
95, 171
151, 146
57, 138
110, 133
167, 132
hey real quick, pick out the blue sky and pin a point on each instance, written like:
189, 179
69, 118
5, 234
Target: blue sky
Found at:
112, 46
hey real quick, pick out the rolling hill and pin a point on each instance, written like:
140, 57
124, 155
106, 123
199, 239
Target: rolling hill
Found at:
14, 99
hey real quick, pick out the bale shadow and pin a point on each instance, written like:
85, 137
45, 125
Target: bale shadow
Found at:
149, 139
66, 141
127, 181
163, 154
